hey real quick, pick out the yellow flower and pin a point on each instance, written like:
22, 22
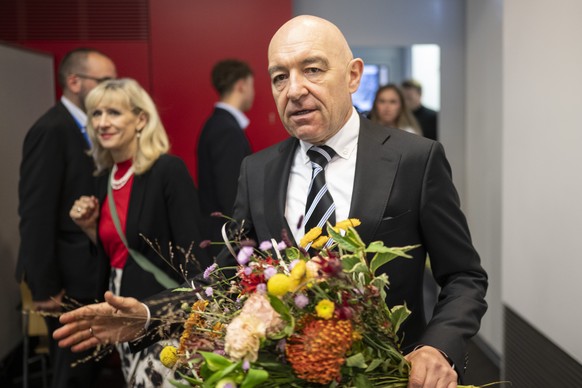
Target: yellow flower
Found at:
325, 309
169, 356
310, 236
320, 242
279, 284
345, 224
298, 271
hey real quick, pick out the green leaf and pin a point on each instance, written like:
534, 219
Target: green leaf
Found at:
357, 361
346, 242
211, 382
358, 268
374, 364
398, 315
385, 254
182, 289
190, 379
292, 253
361, 381
280, 307
349, 261
286, 316
215, 362
181, 385
254, 377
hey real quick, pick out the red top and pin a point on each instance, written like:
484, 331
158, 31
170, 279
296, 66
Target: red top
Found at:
114, 247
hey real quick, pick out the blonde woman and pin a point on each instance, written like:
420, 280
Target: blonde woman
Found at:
390, 110
142, 192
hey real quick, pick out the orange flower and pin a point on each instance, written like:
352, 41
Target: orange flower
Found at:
318, 352
194, 320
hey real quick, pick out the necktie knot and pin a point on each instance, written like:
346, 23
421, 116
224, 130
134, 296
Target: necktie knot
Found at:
320, 155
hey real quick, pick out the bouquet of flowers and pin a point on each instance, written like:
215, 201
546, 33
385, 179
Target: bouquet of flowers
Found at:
289, 318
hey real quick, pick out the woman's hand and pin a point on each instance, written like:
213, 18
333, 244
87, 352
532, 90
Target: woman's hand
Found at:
84, 213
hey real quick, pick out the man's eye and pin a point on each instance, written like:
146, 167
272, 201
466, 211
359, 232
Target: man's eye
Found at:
279, 78
312, 70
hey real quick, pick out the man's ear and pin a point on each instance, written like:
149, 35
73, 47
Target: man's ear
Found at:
355, 71
73, 83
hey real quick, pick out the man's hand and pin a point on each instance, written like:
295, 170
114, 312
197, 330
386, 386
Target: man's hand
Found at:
116, 320
430, 369
50, 305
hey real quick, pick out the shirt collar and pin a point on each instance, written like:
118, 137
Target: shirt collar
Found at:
344, 142
240, 117
75, 111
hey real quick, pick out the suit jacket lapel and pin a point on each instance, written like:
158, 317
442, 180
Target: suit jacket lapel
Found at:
275, 192
376, 168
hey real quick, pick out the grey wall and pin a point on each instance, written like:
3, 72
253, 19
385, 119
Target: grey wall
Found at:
26, 92
484, 106
542, 159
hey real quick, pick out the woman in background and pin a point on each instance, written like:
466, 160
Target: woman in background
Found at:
390, 110
143, 193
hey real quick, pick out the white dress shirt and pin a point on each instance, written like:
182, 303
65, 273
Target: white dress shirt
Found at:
240, 117
75, 111
339, 175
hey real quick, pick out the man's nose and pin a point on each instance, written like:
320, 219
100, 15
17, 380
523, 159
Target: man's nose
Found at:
296, 88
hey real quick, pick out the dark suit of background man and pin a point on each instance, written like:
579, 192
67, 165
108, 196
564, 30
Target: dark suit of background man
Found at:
223, 145
427, 118
56, 258
398, 184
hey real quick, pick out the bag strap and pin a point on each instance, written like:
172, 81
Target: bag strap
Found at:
140, 259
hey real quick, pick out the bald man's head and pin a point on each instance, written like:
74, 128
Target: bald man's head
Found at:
313, 75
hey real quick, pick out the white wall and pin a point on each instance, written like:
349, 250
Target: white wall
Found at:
26, 92
382, 23
542, 167
484, 133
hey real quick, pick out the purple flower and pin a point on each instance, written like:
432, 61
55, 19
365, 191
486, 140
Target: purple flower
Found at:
282, 245
248, 271
209, 270
269, 272
301, 301
246, 365
265, 246
262, 288
209, 291
244, 255
205, 244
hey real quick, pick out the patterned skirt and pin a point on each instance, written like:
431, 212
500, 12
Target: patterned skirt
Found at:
144, 368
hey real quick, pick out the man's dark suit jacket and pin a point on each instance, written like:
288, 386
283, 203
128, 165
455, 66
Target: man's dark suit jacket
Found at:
427, 119
163, 207
55, 171
403, 194
221, 149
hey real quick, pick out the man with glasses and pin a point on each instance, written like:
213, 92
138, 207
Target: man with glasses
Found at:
56, 259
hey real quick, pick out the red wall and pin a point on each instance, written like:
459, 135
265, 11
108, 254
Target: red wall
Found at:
187, 38
173, 62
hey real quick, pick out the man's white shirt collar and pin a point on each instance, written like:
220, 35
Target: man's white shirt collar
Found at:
75, 111
344, 142
240, 117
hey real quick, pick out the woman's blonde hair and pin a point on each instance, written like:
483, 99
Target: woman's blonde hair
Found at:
153, 140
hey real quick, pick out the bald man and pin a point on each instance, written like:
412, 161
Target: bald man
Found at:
398, 184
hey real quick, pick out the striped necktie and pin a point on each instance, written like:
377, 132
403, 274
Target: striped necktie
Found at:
319, 208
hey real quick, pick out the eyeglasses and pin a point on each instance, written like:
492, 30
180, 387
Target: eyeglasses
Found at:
98, 80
